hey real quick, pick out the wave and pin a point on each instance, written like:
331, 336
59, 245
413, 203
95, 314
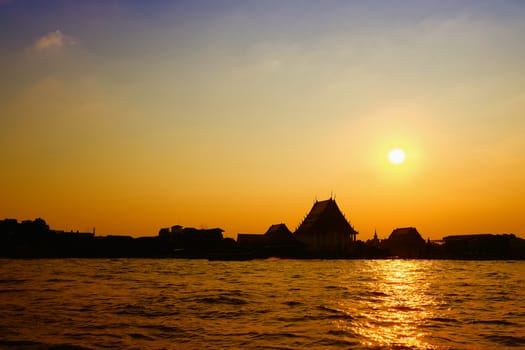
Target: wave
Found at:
506, 340
12, 281
492, 322
292, 303
337, 343
140, 336
139, 310
32, 345
222, 300
443, 320
405, 308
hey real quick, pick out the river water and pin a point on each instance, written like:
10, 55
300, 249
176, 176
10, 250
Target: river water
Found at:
261, 304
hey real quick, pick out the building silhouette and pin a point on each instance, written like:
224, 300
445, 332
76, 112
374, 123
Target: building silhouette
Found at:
276, 235
325, 229
405, 242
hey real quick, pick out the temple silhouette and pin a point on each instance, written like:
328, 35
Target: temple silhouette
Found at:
405, 242
325, 229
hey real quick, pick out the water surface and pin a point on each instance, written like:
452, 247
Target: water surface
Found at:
261, 304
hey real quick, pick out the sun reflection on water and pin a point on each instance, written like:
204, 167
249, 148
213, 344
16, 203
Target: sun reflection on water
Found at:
393, 310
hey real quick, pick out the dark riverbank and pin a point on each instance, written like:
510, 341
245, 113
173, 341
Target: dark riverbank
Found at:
34, 239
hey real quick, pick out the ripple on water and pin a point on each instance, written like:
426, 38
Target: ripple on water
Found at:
293, 303
12, 281
222, 300
443, 320
405, 308
506, 340
335, 343
31, 345
145, 311
141, 336
374, 293
221, 315
492, 322
334, 313
331, 287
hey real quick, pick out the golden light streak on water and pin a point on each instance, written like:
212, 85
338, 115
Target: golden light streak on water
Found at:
398, 307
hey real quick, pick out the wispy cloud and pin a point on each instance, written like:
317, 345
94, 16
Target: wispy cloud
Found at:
55, 39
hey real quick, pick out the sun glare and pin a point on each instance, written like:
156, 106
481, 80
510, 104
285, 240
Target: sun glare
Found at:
396, 156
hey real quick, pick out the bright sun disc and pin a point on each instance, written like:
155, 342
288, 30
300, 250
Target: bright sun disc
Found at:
396, 156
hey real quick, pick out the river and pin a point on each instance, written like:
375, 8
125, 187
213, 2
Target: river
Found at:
261, 304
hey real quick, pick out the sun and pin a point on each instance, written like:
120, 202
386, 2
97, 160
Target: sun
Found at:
396, 156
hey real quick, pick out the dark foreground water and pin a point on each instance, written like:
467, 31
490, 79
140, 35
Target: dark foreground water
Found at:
266, 304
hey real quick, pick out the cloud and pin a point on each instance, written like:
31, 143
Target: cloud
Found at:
54, 39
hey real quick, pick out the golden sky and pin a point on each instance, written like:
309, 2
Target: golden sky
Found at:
129, 116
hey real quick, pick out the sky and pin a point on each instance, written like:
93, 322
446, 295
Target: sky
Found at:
130, 116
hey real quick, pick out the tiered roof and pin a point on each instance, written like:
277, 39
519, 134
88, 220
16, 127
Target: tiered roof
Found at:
324, 213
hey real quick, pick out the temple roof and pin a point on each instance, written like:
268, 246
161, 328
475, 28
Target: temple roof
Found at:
320, 211
405, 234
278, 229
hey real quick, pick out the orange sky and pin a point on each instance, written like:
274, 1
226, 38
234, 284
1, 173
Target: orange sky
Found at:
129, 117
